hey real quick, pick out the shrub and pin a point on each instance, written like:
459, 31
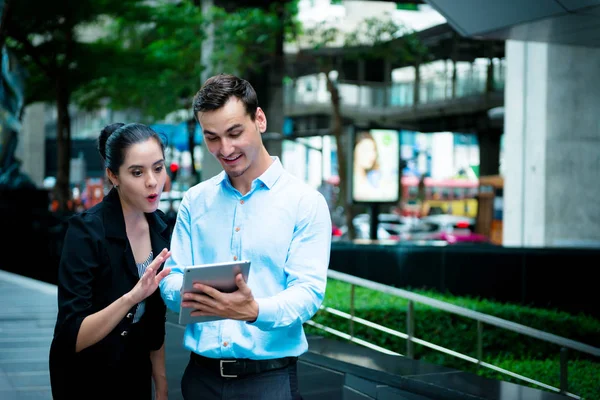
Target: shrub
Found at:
514, 352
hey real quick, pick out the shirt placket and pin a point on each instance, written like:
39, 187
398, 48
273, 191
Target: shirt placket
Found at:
237, 229
236, 254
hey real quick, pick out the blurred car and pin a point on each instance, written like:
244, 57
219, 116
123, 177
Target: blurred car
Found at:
451, 229
390, 227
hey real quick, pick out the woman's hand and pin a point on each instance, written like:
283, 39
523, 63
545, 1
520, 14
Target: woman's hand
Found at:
150, 280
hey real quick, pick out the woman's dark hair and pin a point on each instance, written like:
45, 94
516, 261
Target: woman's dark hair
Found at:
217, 91
115, 139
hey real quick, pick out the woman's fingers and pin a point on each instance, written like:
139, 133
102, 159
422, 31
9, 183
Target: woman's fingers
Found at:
162, 257
162, 274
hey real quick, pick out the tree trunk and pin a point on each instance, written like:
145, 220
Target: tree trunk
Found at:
337, 130
62, 191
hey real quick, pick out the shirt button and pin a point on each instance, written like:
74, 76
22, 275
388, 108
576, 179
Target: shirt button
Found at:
234, 258
124, 333
237, 229
225, 344
241, 201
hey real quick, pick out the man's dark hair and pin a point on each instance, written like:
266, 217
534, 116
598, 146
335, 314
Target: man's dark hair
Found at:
217, 91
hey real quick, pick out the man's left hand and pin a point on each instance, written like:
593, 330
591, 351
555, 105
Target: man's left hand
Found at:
239, 305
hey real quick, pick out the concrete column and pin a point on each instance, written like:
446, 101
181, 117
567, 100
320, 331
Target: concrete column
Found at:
210, 165
552, 146
31, 147
206, 49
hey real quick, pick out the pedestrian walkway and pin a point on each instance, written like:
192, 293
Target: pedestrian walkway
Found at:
27, 316
331, 370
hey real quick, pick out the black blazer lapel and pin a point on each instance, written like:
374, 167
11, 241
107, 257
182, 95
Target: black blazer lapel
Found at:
159, 233
119, 250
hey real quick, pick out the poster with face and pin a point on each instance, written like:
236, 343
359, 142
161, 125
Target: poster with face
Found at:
376, 161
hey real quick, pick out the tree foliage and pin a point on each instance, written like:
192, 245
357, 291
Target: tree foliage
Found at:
246, 38
56, 42
158, 66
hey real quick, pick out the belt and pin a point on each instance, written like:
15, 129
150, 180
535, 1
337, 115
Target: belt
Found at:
239, 367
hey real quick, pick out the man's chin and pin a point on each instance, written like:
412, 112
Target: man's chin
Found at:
236, 171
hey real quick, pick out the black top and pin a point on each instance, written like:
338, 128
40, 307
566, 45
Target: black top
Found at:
97, 267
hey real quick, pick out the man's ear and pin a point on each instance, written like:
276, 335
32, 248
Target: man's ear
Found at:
261, 120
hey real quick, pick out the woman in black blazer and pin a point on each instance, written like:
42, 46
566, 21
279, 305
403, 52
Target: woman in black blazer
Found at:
109, 336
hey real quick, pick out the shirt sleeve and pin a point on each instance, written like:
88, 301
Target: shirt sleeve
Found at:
181, 255
305, 268
75, 279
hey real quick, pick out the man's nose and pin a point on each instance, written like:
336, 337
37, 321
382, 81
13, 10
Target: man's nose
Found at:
227, 147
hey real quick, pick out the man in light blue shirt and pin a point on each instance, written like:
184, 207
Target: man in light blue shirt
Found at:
254, 210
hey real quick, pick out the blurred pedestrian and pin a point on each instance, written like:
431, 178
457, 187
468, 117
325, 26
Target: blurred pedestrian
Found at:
109, 336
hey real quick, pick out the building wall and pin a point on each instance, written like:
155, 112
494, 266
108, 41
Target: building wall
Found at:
552, 140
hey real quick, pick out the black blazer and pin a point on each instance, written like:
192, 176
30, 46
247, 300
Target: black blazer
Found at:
96, 268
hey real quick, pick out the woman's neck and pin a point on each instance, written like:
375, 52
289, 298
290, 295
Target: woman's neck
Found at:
133, 217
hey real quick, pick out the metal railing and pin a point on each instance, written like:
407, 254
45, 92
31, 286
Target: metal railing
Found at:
481, 319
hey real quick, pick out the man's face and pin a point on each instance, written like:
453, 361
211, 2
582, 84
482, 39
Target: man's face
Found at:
142, 176
233, 138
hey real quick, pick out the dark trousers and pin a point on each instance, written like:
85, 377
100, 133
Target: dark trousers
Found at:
199, 383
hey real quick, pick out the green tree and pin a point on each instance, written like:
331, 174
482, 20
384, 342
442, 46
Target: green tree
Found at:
162, 71
374, 38
246, 42
56, 41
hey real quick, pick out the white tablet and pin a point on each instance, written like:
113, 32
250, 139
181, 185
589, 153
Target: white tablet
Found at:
220, 276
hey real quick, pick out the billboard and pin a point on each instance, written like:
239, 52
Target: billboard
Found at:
375, 166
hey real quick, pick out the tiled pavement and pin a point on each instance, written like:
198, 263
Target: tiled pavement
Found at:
331, 370
27, 316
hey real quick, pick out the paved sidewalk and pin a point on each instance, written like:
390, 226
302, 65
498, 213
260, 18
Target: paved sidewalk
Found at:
330, 370
27, 316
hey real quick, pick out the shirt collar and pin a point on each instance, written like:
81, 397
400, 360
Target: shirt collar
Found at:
268, 178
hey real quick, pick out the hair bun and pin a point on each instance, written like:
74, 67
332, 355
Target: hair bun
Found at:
104, 135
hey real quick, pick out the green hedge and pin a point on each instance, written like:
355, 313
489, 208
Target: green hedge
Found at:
517, 353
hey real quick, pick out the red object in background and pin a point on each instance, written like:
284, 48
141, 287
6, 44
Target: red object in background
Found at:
335, 231
462, 224
174, 168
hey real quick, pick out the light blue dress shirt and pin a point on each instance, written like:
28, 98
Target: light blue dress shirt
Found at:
283, 227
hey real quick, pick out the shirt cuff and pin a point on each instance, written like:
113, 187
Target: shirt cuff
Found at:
171, 292
267, 314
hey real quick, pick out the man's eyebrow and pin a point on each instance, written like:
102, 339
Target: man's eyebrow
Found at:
162, 160
231, 128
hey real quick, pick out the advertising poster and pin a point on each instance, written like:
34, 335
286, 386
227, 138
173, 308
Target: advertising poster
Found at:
376, 161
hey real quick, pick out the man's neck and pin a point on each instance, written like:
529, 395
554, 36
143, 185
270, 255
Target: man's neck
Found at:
243, 183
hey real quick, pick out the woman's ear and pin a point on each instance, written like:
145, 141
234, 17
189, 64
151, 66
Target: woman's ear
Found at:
113, 178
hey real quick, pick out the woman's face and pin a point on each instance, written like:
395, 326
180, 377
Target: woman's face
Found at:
365, 154
142, 176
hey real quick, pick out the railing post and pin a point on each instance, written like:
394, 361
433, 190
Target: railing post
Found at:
410, 329
564, 373
352, 287
479, 342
